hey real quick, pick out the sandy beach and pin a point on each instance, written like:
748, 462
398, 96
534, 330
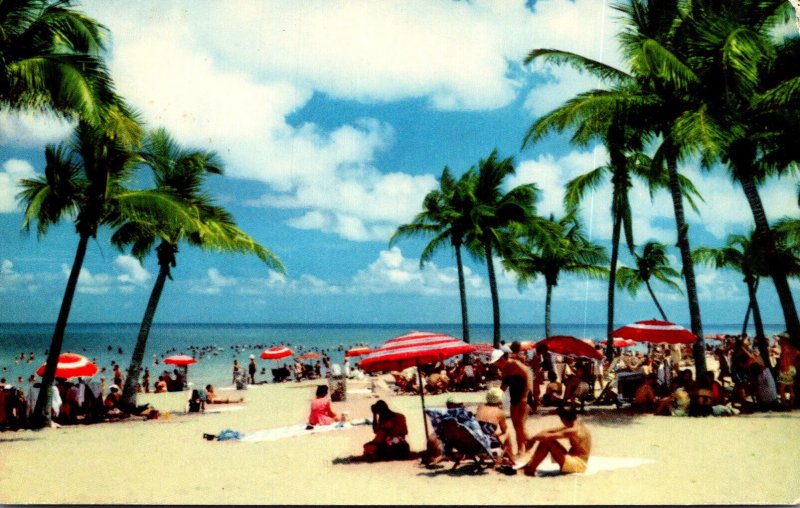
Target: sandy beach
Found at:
638, 459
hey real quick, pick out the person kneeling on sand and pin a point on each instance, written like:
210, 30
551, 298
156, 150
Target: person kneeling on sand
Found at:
211, 397
573, 460
390, 434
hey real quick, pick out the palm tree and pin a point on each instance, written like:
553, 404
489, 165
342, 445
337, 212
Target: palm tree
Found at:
652, 97
495, 211
550, 248
445, 215
651, 263
748, 116
50, 60
82, 179
181, 174
744, 254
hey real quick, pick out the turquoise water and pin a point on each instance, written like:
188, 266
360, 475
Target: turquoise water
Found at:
102, 342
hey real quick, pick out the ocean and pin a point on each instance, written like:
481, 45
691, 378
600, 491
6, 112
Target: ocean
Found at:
106, 343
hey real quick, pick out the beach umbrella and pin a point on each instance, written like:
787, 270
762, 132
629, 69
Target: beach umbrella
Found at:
71, 365
655, 331
182, 360
570, 346
619, 342
276, 353
484, 348
311, 355
412, 350
527, 345
357, 351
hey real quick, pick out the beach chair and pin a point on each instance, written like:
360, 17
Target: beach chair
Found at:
462, 438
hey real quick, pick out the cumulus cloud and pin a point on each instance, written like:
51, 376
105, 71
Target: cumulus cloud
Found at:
11, 280
29, 130
90, 283
394, 273
243, 90
132, 271
216, 283
13, 170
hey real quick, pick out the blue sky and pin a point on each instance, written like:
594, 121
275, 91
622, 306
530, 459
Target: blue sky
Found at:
334, 120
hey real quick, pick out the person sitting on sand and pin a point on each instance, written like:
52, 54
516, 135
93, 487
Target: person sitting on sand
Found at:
197, 403
553, 390
321, 411
572, 460
161, 385
576, 390
390, 434
492, 420
644, 399
212, 398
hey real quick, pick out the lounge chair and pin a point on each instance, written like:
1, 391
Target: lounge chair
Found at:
462, 437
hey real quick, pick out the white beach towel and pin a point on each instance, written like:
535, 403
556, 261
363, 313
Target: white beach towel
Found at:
291, 431
597, 464
223, 409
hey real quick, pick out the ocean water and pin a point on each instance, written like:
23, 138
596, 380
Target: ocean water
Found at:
102, 343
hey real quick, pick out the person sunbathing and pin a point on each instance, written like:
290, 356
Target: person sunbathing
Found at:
492, 420
212, 398
390, 434
573, 460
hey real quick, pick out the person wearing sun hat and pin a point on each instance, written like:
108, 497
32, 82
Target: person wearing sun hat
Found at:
518, 379
492, 420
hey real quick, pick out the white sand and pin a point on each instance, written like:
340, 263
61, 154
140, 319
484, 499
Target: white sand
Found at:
641, 460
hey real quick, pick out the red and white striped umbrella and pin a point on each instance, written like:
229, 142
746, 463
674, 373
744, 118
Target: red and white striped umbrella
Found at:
655, 331
71, 365
415, 348
484, 348
619, 342
276, 353
357, 351
570, 346
311, 355
183, 360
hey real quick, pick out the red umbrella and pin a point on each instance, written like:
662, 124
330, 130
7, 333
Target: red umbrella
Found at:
415, 349
619, 342
276, 353
484, 348
311, 355
71, 365
527, 345
182, 360
655, 331
358, 351
570, 346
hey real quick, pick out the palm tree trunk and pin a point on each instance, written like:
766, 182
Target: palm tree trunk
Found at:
775, 270
761, 338
699, 347
137, 358
41, 413
747, 317
655, 300
612, 282
493, 289
547, 312
462, 290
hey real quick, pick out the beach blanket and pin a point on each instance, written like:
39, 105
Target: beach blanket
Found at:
295, 430
223, 409
596, 465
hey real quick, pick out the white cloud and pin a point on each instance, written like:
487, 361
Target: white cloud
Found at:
13, 170
394, 273
29, 130
89, 283
10, 279
132, 271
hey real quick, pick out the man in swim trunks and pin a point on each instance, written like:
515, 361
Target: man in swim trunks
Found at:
517, 377
573, 460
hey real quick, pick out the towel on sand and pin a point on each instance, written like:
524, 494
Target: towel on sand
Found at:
291, 431
596, 464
